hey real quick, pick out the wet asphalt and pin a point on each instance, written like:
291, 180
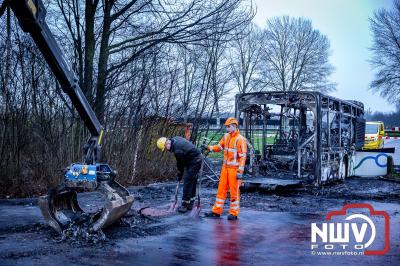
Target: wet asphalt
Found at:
273, 229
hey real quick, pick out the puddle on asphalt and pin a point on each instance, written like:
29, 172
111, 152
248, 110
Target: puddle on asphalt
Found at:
256, 238
218, 241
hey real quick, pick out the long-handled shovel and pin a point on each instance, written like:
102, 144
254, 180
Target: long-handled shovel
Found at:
197, 208
174, 205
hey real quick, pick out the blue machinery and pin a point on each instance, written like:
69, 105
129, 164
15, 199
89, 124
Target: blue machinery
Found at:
60, 207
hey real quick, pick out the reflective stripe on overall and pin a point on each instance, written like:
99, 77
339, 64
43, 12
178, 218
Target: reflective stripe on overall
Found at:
230, 168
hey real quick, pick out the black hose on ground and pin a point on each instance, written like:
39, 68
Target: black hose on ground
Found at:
3, 7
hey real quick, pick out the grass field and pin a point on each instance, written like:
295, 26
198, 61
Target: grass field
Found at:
212, 138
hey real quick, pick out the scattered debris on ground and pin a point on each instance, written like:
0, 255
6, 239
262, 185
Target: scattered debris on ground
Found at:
23, 224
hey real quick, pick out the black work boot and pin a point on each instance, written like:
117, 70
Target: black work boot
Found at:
212, 215
183, 209
191, 204
186, 206
232, 217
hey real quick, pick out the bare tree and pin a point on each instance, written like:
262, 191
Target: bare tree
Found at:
141, 63
187, 86
245, 58
385, 27
295, 56
146, 24
114, 33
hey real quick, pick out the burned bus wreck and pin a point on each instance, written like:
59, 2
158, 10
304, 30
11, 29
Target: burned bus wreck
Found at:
299, 137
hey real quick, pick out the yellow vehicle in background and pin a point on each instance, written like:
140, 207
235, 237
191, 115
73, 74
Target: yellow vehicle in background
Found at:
374, 135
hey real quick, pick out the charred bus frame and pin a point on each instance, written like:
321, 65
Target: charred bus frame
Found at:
313, 135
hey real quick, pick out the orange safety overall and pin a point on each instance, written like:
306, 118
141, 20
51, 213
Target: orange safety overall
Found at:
235, 148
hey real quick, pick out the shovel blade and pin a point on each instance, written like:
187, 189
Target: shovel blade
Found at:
195, 211
173, 207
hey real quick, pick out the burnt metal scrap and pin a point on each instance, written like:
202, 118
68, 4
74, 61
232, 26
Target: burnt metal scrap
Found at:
305, 136
61, 209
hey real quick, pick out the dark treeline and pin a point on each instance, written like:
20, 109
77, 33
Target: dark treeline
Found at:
142, 64
390, 119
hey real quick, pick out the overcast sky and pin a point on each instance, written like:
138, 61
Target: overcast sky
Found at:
345, 23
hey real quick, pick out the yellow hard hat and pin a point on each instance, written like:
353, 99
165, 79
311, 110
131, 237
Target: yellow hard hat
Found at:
231, 120
161, 143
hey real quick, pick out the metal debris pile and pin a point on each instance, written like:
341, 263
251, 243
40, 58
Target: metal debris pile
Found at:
78, 230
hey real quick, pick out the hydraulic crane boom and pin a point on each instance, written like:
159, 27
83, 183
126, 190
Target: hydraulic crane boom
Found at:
60, 207
31, 17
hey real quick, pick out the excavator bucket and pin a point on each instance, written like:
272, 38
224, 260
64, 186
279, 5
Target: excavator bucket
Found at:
60, 207
112, 211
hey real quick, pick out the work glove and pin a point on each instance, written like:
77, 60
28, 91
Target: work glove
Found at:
204, 147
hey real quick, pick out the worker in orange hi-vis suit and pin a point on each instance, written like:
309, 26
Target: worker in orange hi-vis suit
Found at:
234, 146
